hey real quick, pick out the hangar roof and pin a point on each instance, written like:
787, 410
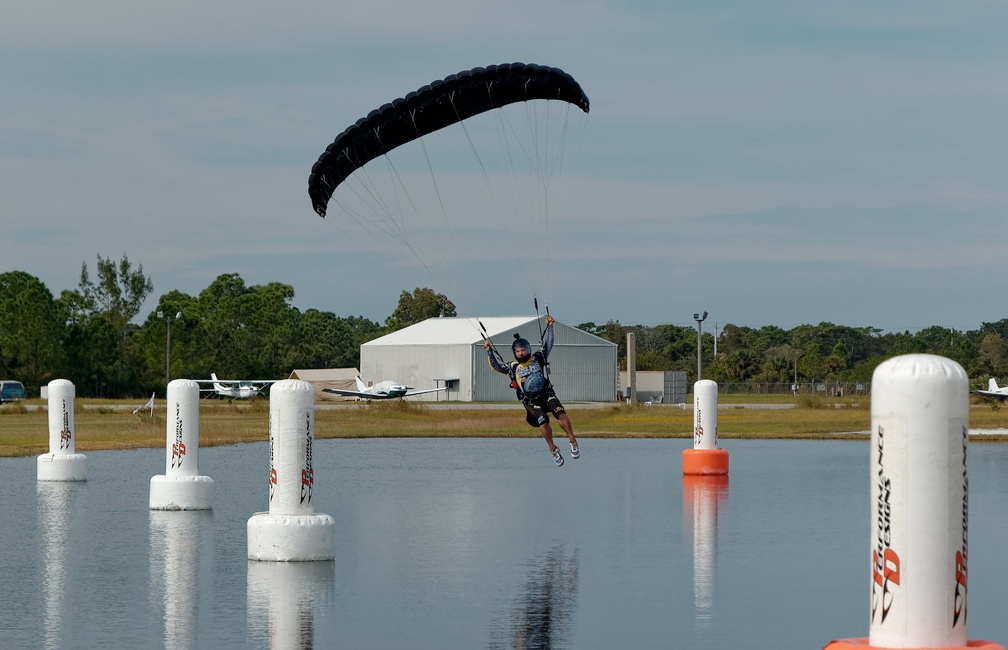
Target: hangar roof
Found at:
454, 330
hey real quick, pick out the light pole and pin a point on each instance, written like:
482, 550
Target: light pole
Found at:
699, 350
169, 319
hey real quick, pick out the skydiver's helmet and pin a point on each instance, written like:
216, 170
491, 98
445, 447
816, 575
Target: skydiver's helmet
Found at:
521, 349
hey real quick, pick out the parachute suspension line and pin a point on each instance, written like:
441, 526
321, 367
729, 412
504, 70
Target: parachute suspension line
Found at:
444, 215
498, 206
539, 149
359, 216
369, 196
437, 192
386, 222
546, 203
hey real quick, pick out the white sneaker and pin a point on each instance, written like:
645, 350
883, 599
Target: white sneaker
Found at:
575, 454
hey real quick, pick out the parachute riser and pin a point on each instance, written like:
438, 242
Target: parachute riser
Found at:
542, 336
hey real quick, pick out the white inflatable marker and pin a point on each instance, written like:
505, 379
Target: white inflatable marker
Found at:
62, 463
291, 531
918, 546
705, 458
181, 487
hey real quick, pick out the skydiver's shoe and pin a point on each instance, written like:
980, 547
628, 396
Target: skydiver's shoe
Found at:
575, 454
557, 458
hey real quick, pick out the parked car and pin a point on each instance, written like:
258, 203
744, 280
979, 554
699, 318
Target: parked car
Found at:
11, 390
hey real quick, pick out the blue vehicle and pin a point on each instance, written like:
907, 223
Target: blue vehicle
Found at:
11, 390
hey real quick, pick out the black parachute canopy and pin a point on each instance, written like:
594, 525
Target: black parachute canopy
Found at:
448, 101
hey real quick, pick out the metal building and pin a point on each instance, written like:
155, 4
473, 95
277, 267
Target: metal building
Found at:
657, 386
448, 352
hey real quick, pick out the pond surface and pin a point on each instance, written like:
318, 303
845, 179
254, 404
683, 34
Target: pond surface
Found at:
470, 543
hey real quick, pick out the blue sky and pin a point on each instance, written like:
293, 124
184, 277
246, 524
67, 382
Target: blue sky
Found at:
773, 163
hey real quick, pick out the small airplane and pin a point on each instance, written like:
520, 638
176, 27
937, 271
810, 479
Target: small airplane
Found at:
236, 388
993, 390
382, 390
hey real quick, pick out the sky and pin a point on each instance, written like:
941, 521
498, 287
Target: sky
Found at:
771, 163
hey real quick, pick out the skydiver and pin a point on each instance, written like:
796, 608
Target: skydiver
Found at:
534, 390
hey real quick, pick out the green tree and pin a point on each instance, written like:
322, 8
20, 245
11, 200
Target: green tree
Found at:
245, 331
326, 341
151, 342
114, 300
31, 329
119, 292
419, 306
991, 356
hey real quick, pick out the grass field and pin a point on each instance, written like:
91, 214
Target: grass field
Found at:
98, 424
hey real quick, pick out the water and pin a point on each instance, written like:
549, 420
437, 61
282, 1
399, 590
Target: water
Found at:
469, 543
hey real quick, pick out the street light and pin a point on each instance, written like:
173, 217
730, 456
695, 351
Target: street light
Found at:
167, 371
699, 350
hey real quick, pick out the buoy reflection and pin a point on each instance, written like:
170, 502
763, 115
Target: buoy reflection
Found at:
175, 540
55, 499
282, 601
702, 496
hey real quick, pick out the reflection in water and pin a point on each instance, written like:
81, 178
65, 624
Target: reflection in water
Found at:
282, 600
54, 501
702, 495
174, 570
542, 613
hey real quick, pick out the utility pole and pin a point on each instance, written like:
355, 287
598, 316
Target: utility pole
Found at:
168, 345
699, 349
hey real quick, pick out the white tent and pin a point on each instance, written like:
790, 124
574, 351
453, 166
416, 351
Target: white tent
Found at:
319, 378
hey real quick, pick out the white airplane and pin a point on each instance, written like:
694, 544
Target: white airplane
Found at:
382, 390
993, 390
235, 388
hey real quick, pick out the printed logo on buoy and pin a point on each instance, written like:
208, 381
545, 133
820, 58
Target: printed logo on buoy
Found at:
272, 471
885, 560
65, 433
959, 600
697, 435
307, 473
178, 449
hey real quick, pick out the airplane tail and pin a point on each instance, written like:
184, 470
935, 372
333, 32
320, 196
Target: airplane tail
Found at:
992, 385
360, 385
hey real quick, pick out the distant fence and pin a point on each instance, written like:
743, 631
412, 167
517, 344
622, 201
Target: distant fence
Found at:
825, 388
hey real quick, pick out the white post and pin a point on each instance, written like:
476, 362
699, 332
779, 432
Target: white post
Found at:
291, 531
705, 458
62, 463
181, 487
705, 405
919, 492
918, 545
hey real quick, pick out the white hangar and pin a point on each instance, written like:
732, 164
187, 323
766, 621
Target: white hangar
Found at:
448, 352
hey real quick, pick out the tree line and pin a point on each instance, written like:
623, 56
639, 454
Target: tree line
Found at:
88, 335
808, 353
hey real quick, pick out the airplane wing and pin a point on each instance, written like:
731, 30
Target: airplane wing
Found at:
355, 393
411, 393
237, 382
992, 394
362, 395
